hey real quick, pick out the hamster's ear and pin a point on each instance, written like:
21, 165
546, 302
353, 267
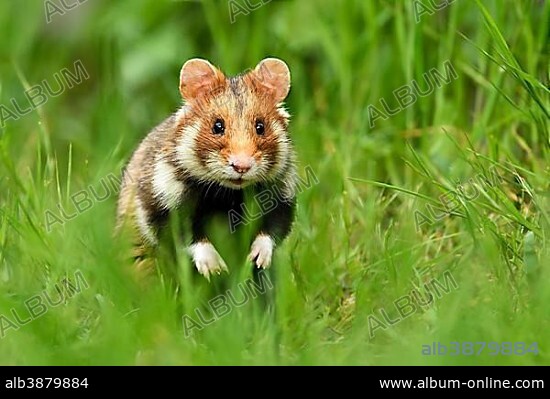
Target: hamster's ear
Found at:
198, 77
274, 75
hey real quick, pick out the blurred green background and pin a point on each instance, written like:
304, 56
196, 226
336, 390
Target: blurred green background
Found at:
361, 246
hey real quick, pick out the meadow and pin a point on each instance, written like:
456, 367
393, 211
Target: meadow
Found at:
422, 132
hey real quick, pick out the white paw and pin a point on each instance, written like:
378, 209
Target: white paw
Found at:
261, 251
207, 260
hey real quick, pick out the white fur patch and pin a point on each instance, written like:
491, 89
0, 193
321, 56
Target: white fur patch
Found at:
207, 260
147, 232
283, 112
284, 149
290, 182
185, 149
166, 187
261, 251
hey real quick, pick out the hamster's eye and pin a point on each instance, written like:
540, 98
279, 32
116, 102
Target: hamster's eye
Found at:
218, 127
260, 128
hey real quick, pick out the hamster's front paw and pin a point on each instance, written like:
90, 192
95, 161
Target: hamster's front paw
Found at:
261, 251
207, 260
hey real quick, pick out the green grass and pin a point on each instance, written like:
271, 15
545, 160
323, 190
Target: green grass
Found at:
355, 247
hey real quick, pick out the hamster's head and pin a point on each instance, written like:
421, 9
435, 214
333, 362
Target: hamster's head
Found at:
233, 130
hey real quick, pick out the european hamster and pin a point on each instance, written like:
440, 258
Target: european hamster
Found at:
230, 133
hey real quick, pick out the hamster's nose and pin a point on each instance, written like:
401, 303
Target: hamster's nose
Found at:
241, 163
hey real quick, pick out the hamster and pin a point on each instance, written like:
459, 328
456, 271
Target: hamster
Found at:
229, 134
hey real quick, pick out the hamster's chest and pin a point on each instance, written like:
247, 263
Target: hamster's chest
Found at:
213, 198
